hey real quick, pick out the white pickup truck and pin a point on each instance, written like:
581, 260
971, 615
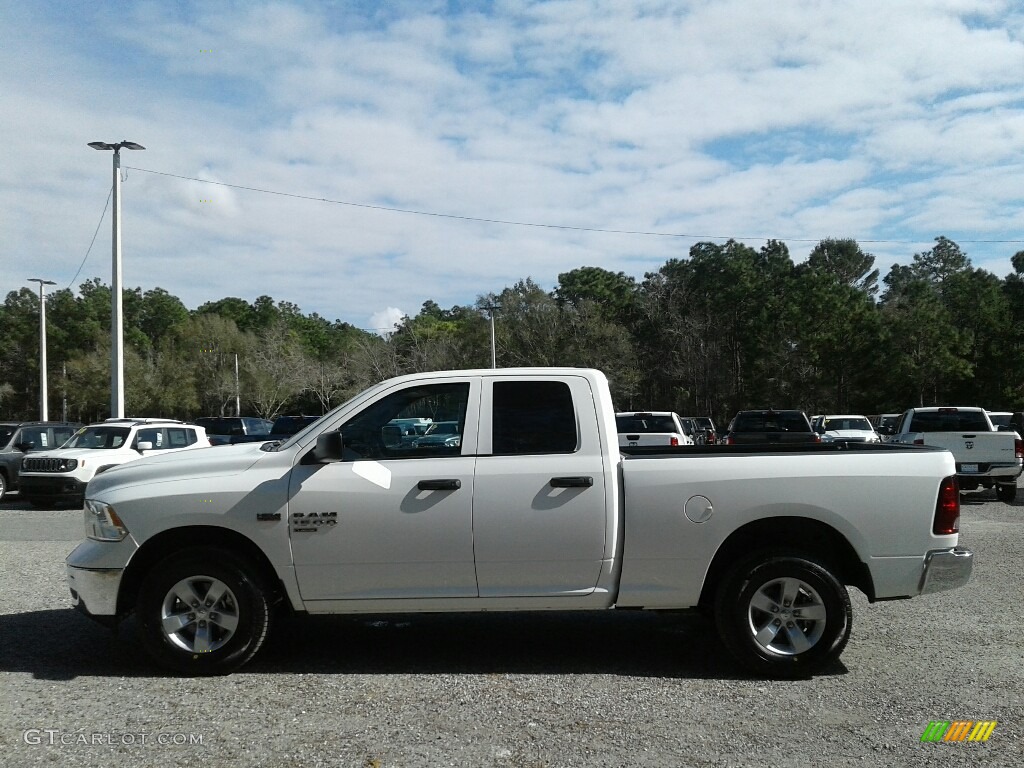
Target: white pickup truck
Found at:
536, 508
984, 456
646, 428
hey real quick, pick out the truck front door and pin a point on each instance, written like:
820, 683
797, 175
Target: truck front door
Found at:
394, 519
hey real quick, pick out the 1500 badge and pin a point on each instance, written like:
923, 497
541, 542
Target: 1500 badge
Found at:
310, 522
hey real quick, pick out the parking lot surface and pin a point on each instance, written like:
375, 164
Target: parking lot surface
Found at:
603, 689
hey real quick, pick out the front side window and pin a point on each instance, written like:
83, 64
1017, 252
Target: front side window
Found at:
532, 417
154, 437
36, 437
381, 432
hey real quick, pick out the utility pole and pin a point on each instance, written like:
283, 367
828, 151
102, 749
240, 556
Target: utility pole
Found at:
490, 311
43, 395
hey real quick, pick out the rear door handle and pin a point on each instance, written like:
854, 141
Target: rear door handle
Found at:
572, 482
439, 485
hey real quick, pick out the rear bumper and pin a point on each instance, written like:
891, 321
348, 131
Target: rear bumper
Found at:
946, 569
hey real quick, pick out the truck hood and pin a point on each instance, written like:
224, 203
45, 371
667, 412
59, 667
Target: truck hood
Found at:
216, 461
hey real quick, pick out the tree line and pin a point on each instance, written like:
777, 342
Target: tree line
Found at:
727, 327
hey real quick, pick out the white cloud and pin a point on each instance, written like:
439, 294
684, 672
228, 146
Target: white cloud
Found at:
386, 321
717, 118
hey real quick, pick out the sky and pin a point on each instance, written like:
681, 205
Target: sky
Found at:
360, 158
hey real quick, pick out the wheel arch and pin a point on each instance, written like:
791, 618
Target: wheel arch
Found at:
797, 534
177, 540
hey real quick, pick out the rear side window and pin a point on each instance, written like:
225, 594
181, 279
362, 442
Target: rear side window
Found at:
180, 438
533, 417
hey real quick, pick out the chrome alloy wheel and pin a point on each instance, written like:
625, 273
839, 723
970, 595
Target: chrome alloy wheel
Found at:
786, 616
199, 614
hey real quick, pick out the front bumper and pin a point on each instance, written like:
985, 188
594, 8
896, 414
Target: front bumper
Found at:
94, 593
51, 488
946, 569
95, 570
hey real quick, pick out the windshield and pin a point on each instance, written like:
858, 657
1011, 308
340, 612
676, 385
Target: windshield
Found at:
858, 422
98, 437
997, 419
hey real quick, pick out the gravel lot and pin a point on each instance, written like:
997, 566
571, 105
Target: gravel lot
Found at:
628, 689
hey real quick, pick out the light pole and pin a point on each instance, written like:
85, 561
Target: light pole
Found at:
490, 311
43, 409
116, 316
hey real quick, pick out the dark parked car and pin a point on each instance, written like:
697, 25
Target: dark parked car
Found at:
19, 437
289, 425
221, 429
770, 426
707, 426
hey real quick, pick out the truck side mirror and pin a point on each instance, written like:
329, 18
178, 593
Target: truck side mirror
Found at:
144, 446
24, 447
328, 449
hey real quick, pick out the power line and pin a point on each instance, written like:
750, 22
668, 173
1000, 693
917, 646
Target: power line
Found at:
93, 241
513, 223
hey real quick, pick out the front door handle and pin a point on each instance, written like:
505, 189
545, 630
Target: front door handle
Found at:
439, 485
572, 482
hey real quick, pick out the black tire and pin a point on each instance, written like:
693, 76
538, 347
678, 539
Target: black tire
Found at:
212, 636
3, 485
1006, 493
775, 638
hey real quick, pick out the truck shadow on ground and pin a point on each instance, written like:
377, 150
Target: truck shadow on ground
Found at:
64, 645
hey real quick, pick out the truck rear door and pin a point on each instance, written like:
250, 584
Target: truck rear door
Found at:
540, 507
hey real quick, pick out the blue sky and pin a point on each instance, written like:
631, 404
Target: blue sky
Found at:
892, 123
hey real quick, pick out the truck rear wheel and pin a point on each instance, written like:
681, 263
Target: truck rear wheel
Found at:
783, 615
1006, 493
203, 612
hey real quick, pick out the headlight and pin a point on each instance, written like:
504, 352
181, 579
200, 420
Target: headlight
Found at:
102, 522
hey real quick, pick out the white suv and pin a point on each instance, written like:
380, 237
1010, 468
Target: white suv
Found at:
50, 478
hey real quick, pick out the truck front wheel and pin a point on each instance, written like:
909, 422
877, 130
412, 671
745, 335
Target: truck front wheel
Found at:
783, 615
203, 612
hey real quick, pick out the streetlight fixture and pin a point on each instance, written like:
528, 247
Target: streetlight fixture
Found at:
116, 315
43, 399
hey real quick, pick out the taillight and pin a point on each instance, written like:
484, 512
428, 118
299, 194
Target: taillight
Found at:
673, 440
816, 438
730, 440
947, 508
1018, 448
919, 441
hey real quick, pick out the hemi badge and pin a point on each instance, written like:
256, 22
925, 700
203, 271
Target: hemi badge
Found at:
268, 516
